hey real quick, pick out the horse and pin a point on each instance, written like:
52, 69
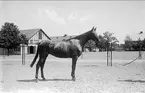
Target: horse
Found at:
71, 48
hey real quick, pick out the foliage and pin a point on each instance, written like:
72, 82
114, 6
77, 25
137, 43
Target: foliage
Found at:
102, 44
128, 38
109, 37
91, 45
23, 39
106, 39
130, 45
11, 36
143, 44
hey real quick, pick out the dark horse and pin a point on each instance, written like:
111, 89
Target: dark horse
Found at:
71, 48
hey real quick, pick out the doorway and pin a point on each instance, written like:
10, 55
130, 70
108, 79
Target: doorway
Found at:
31, 49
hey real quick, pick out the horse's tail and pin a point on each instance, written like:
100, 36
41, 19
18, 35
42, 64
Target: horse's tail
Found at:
35, 57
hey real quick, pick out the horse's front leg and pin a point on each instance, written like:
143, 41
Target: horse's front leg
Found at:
74, 60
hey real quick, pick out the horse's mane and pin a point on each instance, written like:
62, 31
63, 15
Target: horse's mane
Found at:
79, 36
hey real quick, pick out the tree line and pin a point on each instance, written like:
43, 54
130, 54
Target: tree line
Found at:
108, 41
131, 45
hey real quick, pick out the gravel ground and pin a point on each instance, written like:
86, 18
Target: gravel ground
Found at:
92, 76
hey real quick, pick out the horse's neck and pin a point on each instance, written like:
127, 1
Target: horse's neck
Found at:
83, 39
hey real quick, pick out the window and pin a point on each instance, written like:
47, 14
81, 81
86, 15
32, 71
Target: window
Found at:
31, 41
40, 35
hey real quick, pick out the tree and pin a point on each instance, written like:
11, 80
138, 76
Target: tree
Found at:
143, 44
109, 37
127, 38
102, 43
106, 39
128, 43
91, 45
23, 39
11, 36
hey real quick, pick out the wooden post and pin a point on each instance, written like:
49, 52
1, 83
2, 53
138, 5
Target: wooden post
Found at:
140, 45
109, 54
23, 54
140, 56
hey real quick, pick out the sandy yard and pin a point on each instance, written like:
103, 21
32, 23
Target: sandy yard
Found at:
92, 75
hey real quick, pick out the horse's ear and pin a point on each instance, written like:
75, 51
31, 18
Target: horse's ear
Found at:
93, 28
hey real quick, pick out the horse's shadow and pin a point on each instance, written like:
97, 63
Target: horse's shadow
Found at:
40, 80
132, 81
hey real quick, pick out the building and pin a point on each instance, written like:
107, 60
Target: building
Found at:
34, 36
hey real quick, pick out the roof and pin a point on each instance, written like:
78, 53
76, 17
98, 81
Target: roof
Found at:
60, 38
31, 32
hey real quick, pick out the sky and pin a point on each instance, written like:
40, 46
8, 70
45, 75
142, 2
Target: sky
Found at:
57, 18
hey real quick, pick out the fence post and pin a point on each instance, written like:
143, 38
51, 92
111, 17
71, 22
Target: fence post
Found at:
140, 45
109, 54
23, 54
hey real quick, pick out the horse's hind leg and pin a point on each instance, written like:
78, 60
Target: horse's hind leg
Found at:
37, 69
39, 64
42, 66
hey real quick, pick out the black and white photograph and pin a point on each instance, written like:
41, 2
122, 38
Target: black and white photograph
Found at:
72, 46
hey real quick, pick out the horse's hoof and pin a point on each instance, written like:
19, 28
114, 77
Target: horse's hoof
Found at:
74, 79
31, 65
37, 80
43, 78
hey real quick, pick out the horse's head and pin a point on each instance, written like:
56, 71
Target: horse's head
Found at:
91, 34
94, 36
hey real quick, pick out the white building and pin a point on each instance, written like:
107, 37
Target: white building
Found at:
34, 36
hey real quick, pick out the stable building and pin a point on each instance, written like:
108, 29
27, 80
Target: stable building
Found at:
34, 36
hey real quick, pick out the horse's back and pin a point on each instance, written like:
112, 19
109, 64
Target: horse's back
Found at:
45, 42
63, 49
